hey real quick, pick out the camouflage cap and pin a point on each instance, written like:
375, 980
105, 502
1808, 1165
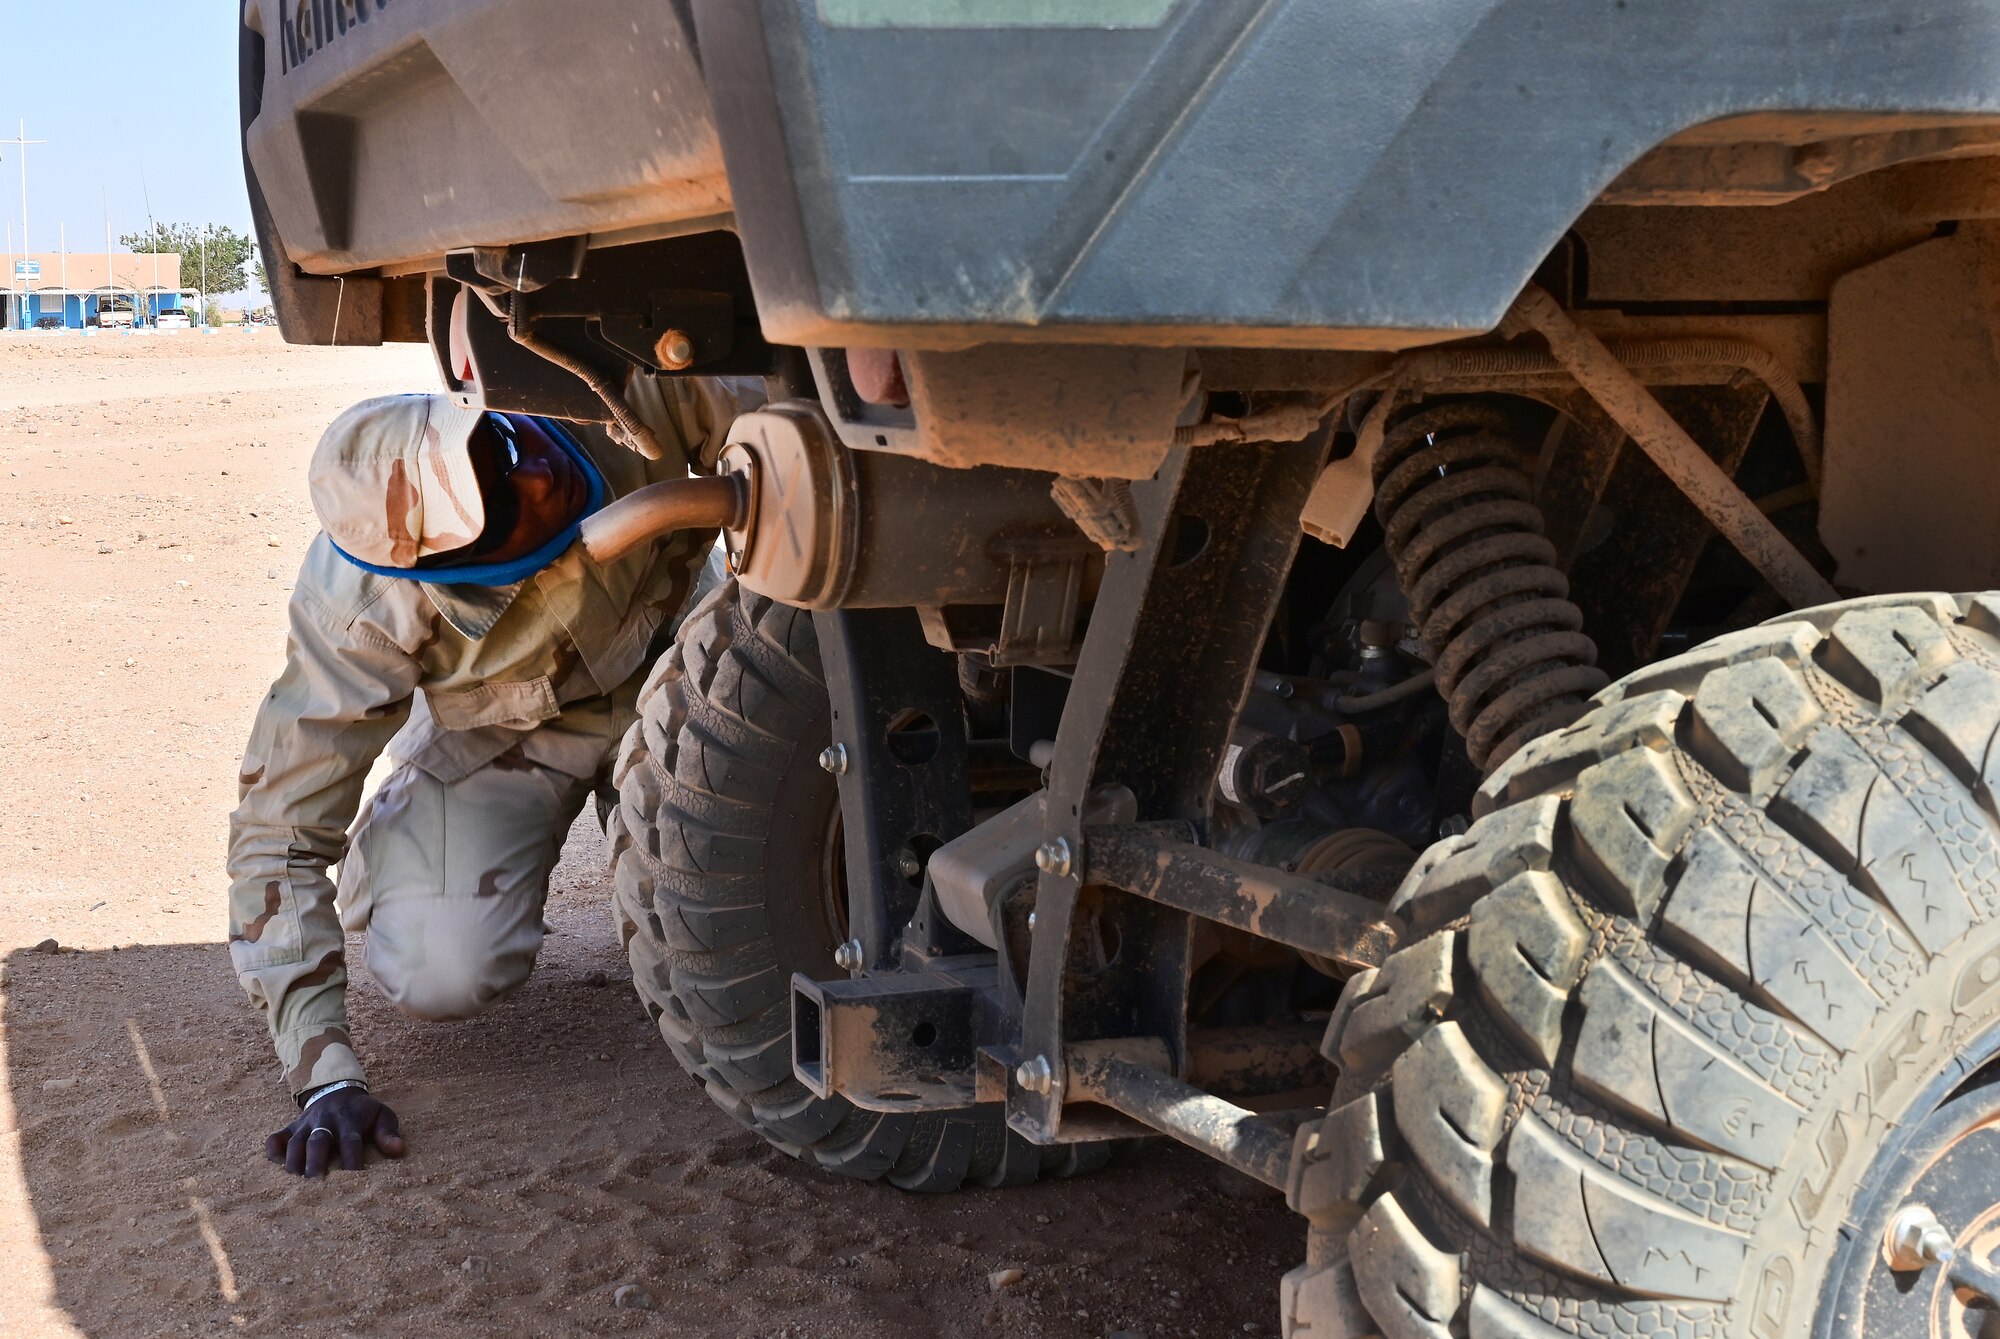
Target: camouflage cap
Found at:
392, 479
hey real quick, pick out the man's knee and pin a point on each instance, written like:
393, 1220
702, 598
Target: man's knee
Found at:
451, 957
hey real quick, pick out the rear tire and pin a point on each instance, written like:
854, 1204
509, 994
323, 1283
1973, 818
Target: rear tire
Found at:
1679, 995
727, 880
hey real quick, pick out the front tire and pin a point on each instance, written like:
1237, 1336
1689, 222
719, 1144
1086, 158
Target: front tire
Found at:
1680, 997
727, 879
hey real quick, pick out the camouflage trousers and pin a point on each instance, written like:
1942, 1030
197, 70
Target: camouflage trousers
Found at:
448, 880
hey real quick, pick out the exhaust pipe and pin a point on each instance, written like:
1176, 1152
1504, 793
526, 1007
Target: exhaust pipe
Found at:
809, 523
721, 502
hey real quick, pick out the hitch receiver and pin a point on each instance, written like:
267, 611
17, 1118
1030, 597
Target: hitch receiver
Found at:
894, 1042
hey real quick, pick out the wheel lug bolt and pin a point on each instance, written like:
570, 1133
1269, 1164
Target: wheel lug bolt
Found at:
1916, 1240
834, 759
850, 956
1052, 857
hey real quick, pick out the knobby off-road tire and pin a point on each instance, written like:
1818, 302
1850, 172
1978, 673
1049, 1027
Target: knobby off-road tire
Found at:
1674, 992
721, 865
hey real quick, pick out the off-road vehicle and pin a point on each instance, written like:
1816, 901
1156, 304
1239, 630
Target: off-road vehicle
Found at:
1353, 584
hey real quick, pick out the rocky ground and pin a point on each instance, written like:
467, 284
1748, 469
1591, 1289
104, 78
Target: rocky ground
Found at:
152, 511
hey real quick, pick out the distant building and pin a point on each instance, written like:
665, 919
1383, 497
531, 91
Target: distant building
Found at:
82, 289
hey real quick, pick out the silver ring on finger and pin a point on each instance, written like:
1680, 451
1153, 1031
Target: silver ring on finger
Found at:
319, 1129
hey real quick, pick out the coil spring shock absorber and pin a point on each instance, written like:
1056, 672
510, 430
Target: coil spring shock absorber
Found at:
1491, 608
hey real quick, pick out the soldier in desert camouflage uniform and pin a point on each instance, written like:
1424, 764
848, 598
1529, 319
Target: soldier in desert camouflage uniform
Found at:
444, 615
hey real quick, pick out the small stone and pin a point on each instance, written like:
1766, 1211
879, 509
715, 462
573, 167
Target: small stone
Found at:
57, 1085
65, 520
272, 540
595, 979
1002, 1279
104, 548
48, 946
1042, 1218
284, 1280
631, 1297
473, 1264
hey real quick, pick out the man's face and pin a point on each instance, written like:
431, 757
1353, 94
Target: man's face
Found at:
531, 487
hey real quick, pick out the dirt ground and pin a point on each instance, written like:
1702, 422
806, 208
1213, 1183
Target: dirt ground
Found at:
152, 512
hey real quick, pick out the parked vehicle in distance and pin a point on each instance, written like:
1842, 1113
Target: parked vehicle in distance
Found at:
113, 316
172, 320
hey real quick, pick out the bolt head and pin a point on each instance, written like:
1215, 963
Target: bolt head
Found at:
1916, 1240
833, 758
1052, 857
1031, 920
675, 350
1035, 1075
850, 956
908, 865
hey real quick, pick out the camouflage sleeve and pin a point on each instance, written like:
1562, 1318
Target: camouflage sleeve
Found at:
343, 693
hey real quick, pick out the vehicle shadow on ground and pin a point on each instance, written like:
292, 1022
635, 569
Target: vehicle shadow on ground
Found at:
557, 1152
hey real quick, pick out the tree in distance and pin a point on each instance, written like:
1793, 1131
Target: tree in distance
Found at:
213, 256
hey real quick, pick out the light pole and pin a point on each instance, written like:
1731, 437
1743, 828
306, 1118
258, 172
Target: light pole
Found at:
21, 141
154, 228
104, 304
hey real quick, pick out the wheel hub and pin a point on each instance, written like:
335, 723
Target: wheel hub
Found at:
1935, 1272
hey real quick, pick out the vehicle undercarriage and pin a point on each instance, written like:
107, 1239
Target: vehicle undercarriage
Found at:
1488, 777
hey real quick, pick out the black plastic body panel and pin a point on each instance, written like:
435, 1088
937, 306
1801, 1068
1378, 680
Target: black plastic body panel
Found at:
941, 173
1249, 172
387, 132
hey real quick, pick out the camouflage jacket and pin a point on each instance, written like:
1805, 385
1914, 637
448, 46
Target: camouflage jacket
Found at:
455, 676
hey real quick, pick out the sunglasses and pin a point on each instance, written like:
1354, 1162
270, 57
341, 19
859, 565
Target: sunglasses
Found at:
496, 432
508, 441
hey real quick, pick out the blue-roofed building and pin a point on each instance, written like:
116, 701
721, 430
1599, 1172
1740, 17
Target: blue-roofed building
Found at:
85, 291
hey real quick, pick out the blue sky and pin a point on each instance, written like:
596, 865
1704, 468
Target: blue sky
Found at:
118, 87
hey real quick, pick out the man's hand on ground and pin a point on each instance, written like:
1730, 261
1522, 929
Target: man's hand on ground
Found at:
342, 1123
